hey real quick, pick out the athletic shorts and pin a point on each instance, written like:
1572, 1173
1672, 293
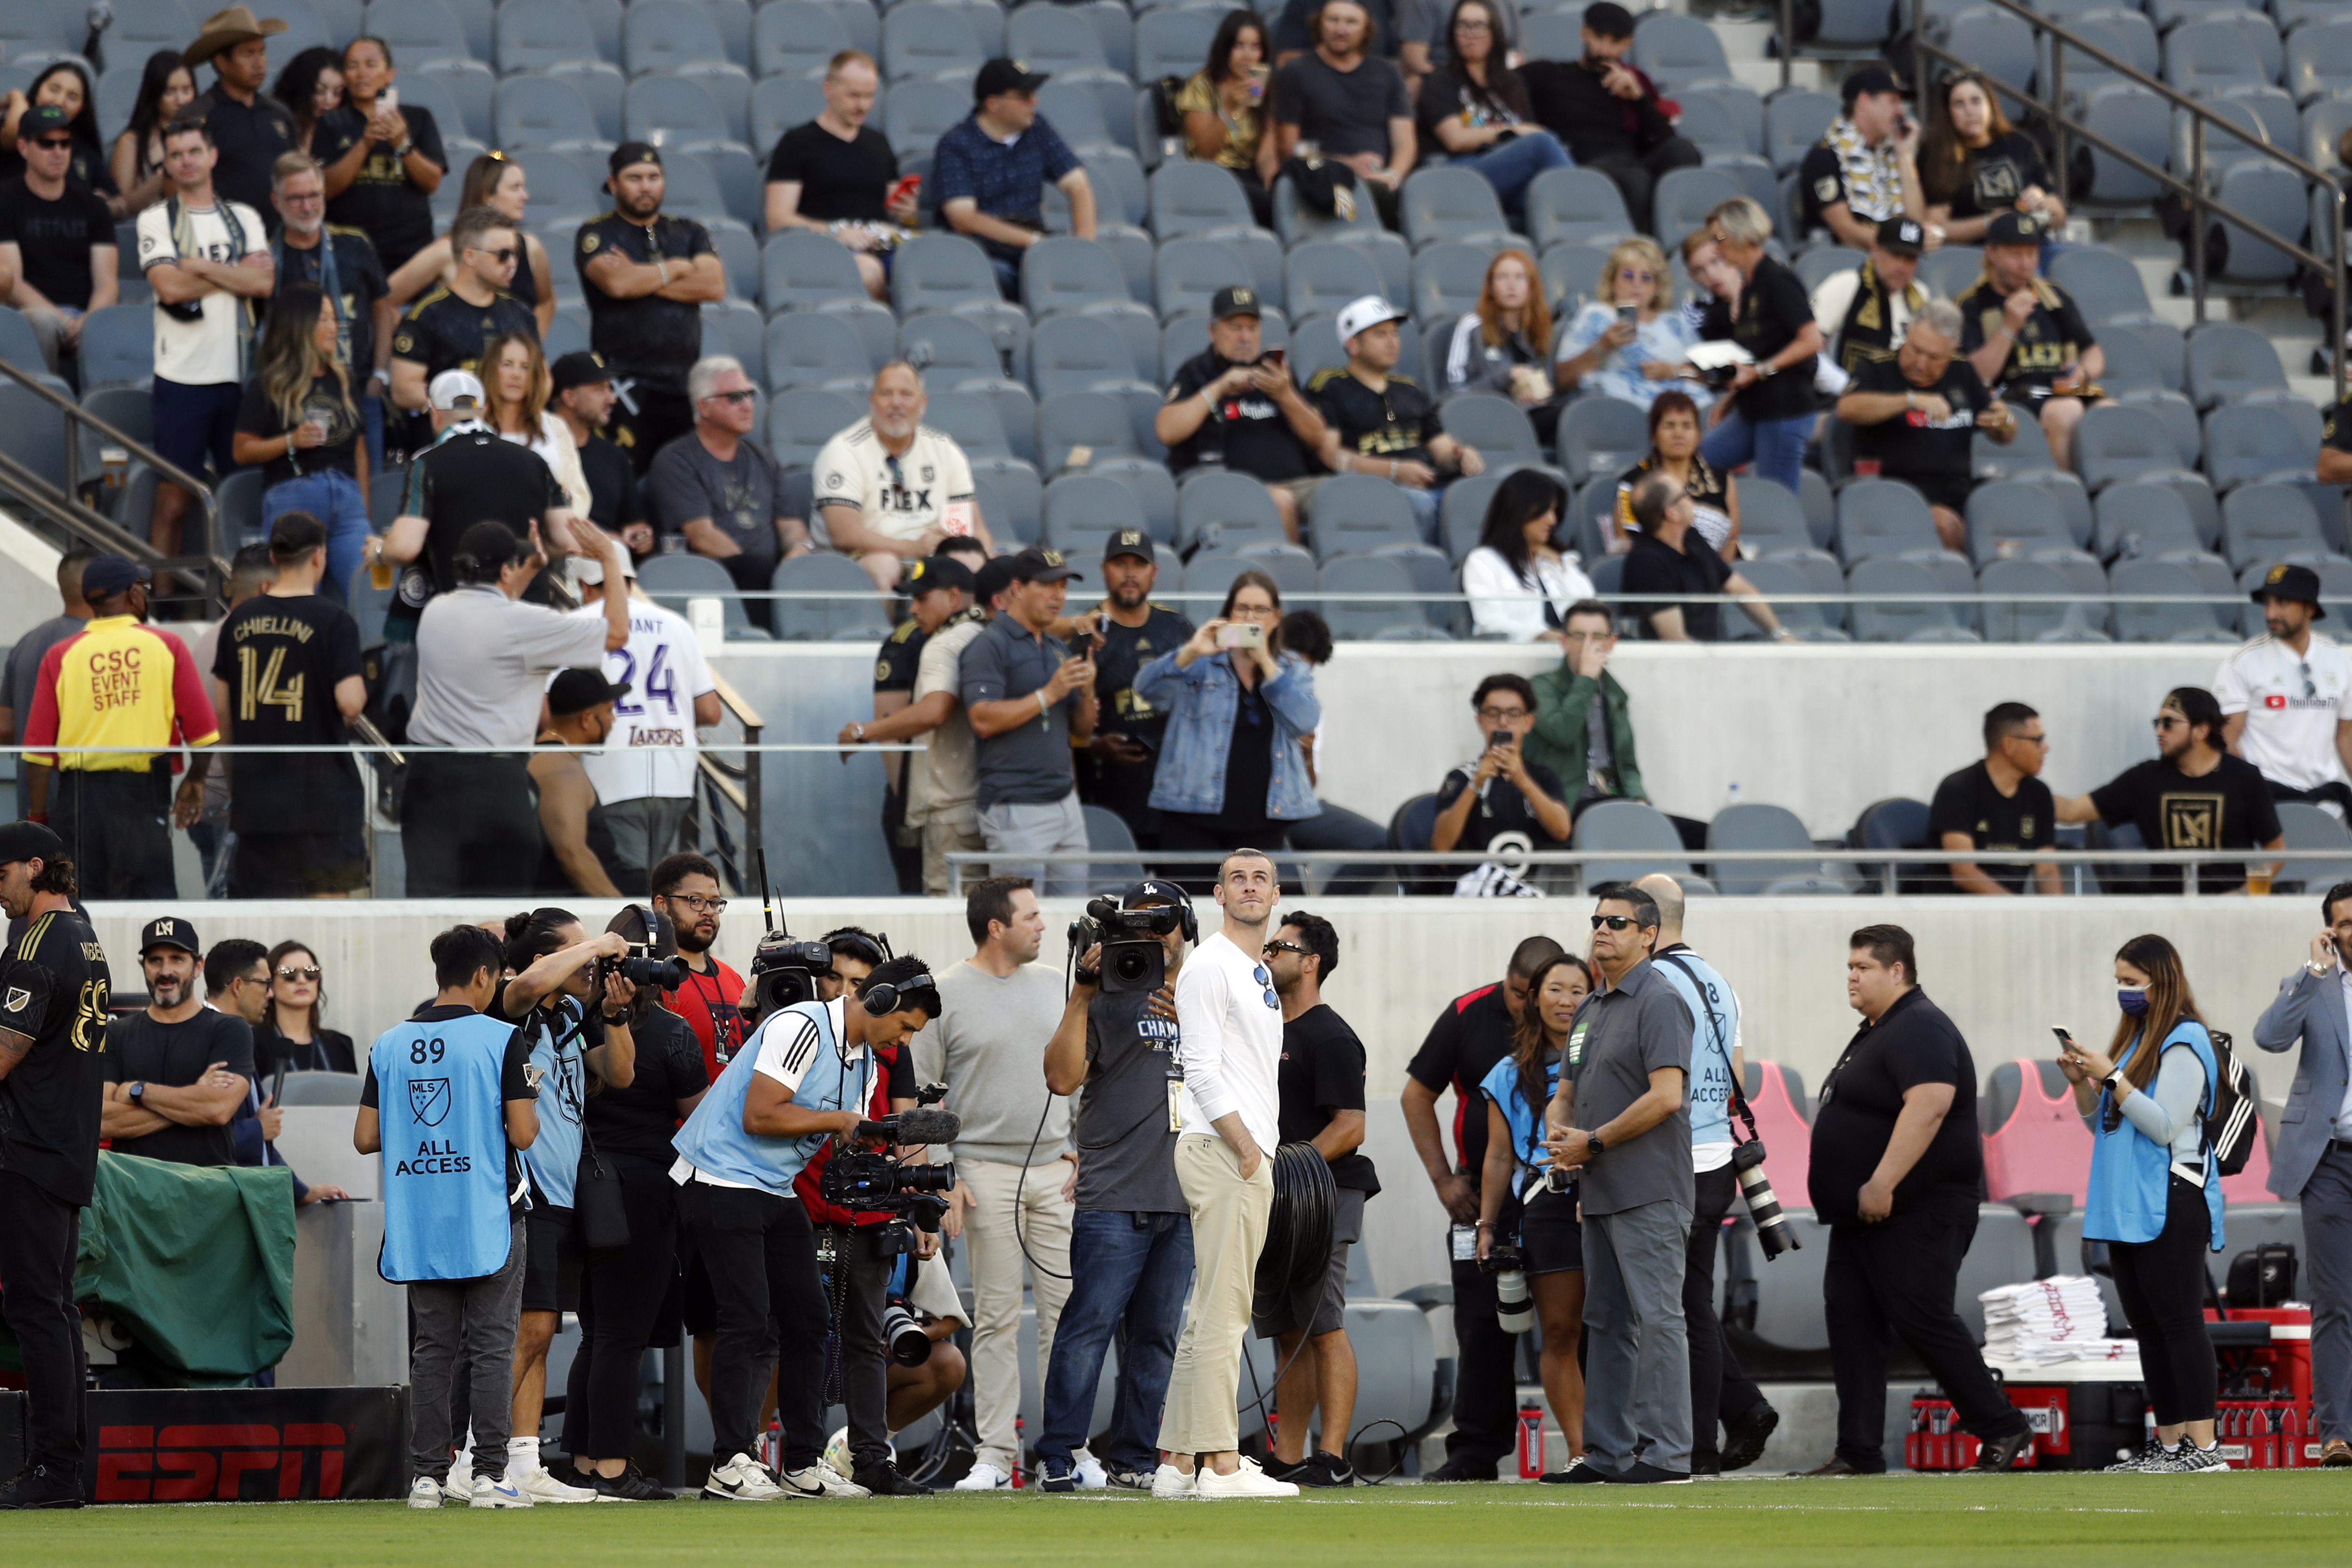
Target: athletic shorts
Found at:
550, 1271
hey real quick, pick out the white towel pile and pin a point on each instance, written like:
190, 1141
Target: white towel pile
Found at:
2048, 1322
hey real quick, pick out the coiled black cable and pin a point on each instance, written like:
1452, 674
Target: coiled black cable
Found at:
1297, 1251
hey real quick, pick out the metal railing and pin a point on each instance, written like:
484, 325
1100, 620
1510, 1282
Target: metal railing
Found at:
733, 787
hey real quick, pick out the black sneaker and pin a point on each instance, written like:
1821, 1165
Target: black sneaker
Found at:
632, 1485
1057, 1481
1744, 1439
1999, 1454
1642, 1473
1581, 1472
38, 1486
1324, 1468
882, 1479
1457, 1470
1298, 1470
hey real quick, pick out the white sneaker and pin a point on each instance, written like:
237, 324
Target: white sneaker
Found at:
543, 1487
985, 1478
1246, 1481
425, 1493
1169, 1482
461, 1477
499, 1492
741, 1480
820, 1480
1089, 1472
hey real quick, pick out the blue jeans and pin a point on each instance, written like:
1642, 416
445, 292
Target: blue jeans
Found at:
334, 497
1776, 445
1511, 166
1425, 507
372, 423
1130, 1279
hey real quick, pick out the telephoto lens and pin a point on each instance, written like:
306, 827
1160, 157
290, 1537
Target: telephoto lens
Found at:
909, 1345
1773, 1232
1515, 1306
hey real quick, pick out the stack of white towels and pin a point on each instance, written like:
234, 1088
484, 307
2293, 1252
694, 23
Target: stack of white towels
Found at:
2049, 1321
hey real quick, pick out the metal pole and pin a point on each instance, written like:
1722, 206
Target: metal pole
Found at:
2335, 349
2197, 214
674, 1360
1788, 40
2058, 121
1919, 56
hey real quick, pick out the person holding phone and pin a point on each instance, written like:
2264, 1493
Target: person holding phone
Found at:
1500, 803
1631, 343
1234, 404
838, 175
2155, 1193
1224, 109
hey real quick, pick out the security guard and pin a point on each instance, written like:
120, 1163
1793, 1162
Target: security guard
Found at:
646, 278
53, 995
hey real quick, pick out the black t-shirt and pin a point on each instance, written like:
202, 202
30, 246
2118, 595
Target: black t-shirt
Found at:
359, 279
1469, 1037
614, 502
1323, 1071
55, 237
2336, 428
1966, 802
901, 652
1773, 309
250, 137
1447, 93
512, 1085
1654, 567
327, 1050
470, 476
382, 199
1248, 431
2054, 337
1125, 651
1347, 111
53, 988
281, 660
840, 181
1399, 421
1502, 824
649, 339
443, 331
1249, 757
1993, 177
636, 1122
2229, 808
1912, 1043
1911, 443
141, 1050
326, 404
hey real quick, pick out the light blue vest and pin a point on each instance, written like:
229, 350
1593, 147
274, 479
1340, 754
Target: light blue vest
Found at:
554, 1157
444, 1148
2131, 1173
1501, 1085
713, 1140
1715, 1018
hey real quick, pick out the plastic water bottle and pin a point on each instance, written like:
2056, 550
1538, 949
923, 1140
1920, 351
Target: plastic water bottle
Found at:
1731, 794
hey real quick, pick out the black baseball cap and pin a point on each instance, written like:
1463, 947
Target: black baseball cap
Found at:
1868, 78
932, 574
581, 367
30, 841
993, 577
1001, 76
1042, 563
1901, 236
170, 930
2287, 581
2016, 228
1129, 542
1238, 300
1165, 892
1609, 19
108, 575
629, 153
577, 690
40, 119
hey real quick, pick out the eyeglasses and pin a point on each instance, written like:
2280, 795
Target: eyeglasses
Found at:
1472, 25
2031, 740
297, 971
1502, 715
740, 395
1266, 980
1614, 923
699, 904
1278, 945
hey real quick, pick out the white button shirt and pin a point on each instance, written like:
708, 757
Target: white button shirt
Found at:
2292, 703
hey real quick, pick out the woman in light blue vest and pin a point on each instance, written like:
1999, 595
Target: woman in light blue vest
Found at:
1512, 1194
2155, 1193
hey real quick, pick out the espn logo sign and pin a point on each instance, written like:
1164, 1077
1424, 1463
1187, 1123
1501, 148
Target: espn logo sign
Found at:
254, 1462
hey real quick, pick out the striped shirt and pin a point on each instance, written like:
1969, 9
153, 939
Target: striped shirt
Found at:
117, 683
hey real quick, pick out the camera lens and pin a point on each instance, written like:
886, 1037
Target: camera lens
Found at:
1130, 964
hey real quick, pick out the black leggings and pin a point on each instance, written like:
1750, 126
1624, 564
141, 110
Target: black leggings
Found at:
620, 1297
2162, 1283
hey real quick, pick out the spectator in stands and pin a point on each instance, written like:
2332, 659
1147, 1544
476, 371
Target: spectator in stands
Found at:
1520, 583
938, 589
583, 401
341, 263
2334, 461
1896, 1170
1500, 804
943, 782
166, 86
1423, 38
1916, 417
1474, 107
647, 277
497, 182
2284, 695
2002, 804
1294, 30
2026, 336
1634, 347
292, 1036
57, 237
1502, 344
716, 488
1584, 725
1675, 453
1350, 105
1865, 169
249, 126
1030, 699
452, 323
645, 776
64, 85
287, 674
990, 171
838, 175
1224, 110
1608, 113
2194, 795
22, 677
685, 892
483, 658
1378, 422
1234, 404
206, 256
516, 391
581, 853
1129, 729
176, 1070
249, 572
1771, 400
299, 420
1231, 770
1864, 312
890, 488
1671, 556
1705, 263
383, 164
310, 86
1973, 163
117, 682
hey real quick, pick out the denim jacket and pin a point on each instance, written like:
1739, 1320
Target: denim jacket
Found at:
1200, 700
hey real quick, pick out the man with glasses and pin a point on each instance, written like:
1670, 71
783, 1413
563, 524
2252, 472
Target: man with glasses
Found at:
1916, 415
890, 488
2194, 795
1584, 727
720, 490
685, 891
2000, 803
2284, 695
56, 239
445, 330
342, 263
1501, 803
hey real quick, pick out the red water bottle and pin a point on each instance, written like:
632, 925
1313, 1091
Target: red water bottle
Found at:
1020, 1468
1531, 1442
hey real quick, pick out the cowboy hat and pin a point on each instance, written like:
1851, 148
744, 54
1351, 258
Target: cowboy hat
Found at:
227, 29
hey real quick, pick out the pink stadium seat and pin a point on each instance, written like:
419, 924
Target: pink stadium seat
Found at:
1777, 1098
2035, 1141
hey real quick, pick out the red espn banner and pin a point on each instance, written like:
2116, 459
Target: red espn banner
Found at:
245, 1444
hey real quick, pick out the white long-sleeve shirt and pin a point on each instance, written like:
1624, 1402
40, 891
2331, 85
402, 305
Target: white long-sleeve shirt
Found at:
1501, 600
1231, 1045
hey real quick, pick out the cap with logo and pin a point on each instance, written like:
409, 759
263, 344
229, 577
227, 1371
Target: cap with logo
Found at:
934, 575
41, 120
581, 367
1002, 76
632, 153
1901, 236
577, 690
169, 931
1368, 312
1129, 542
30, 841
2016, 228
1239, 300
1042, 563
108, 575
453, 390
2286, 581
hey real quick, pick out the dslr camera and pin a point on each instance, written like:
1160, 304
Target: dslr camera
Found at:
884, 1180
652, 959
1132, 957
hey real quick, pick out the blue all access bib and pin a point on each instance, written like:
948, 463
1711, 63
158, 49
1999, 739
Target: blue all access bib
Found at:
444, 1148
713, 1141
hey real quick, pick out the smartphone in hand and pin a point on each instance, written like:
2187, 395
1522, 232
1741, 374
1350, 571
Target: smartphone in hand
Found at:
1241, 635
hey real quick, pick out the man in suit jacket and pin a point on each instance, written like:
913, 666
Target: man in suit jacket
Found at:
2313, 1162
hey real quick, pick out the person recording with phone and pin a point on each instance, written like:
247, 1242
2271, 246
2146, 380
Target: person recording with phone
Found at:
1234, 404
1501, 803
2156, 1191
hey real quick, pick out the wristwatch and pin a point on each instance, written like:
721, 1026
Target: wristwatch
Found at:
138, 1091
1766, 370
858, 732
1594, 1145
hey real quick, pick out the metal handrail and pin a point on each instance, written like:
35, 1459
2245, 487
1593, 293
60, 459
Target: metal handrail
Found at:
739, 784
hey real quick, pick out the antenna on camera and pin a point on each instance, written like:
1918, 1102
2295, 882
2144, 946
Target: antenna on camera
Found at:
767, 905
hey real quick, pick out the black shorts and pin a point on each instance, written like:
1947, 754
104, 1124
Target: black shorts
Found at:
550, 1269
1551, 1234
1323, 1309
297, 865
1949, 491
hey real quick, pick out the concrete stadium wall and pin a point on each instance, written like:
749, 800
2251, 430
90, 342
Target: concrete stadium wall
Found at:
29, 579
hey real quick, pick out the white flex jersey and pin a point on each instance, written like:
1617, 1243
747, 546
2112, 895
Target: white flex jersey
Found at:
2291, 707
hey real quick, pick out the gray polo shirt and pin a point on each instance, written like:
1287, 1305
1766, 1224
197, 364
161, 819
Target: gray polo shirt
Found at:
1028, 764
1620, 1037
482, 663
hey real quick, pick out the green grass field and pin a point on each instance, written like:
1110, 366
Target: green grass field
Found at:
2273, 1519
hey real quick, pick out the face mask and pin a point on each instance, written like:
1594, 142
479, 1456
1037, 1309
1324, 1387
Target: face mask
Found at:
2132, 999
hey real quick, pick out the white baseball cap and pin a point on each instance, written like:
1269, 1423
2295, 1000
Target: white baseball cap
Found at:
589, 569
455, 389
1369, 311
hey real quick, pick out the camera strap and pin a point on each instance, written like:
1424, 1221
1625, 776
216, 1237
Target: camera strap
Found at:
1715, 1027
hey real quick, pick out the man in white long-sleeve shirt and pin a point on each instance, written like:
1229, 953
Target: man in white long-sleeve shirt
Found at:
1231, 1021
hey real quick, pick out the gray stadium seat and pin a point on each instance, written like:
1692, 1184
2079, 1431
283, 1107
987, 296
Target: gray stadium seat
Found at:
947, 272
1574, 274
674, 36
1997, 43
2103, 282
2142, 522
972, 419
1794, 120
795, 37
2135, 118
2248, 443
1497, 426
33, 431
780, 102
2030, 619
1236, 507
2161, 622
673, 111
815, 348
1292, 569
1570, 205
533, 35
1188, 273
1602, 438
36, 29
117, 344
1062, 274
2122, 442
2009, 521
1913, 621
1352, 621
1047, 42
1172, 42
1814, 264
2265, 523
1075, 427
801, 420
672, 580
1725, 119
2318, 63
954, 348
2232, 363
2126, 35
1448, 278
1447, 202
545, 111
2179, 420
1084, 510
1355, 514
1073, 353
1188, 197
916, 114
1643, 835
2270, 196
1324, 275
854, 606
1952, 270
417, 30
1677, 51
1683, 198
1882, 517
733, 327
801, 268
1755, 825
2204, 58
1786, 573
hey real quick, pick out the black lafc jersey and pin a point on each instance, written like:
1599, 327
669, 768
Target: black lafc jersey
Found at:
54, 985
902, 651
1398, 421
1125, 651
649, 339
2054, 337
442, 331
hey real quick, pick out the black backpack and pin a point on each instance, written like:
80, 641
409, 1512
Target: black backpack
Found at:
2235, 1122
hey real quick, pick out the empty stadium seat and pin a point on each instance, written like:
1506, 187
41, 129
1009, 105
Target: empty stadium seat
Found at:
2306, 826
1644, 835
1600, 436
2136, 120
2142, 521
816, 348
2008, 519
1755, 825
1082, 511
673, 580
2262, 523
1447, 202
1356, 514
2122, 442
545, 111
674, 111
1882, 517
1909, 621
916, 114
1448, 278
1354, 620
780, 102
2165, 622
2035, 616
1236, 508
2249, 442
1173, 42
1676, 50
674, 36
950, 272
1572, 205
1188, 273
1683, 198
1077, 427
2232, 363
851, 607
1190, 197
1326, 274
1794, 121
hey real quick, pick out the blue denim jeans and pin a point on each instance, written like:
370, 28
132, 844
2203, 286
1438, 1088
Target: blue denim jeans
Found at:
1512, 166
1130, 1276
334, 497
1777, 447
1426, 507
372, 423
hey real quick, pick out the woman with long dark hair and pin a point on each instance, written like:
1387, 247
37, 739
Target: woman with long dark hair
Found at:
1224, 108
165, 88
290, 1035
2156, 1191
301, 421
311, 88
63, 84
1513, 1198
495, 181
1474, 106
1520, 583
1674, 452
1974, 163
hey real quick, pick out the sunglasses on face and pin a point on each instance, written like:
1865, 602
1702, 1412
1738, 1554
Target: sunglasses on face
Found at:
1278, 945
741, 394
503, 253
297, 971
2169, 721
55, 143
1614, 923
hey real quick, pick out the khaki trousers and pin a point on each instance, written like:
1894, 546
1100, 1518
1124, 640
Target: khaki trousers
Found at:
1229, 1218
941, 836
997, 1260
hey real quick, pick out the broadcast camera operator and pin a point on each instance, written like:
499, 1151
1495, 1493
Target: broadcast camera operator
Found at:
1131, 1238
855, 951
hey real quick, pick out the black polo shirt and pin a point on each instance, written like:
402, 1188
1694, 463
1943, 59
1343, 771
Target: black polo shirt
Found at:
470, 476
1913, 1043
613, 500
1653, 567
359, 279
1773, 309
1912, 444
1247, 430
1462, 1047
1399, 421
649, 340
2052, 338
1125, 651
249, 139
902, 651
443, 331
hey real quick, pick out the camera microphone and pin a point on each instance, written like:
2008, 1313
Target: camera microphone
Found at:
921, 1125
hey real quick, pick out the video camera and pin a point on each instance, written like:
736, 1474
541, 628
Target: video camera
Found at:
884, 1180
785, 970
652, 959
1132, 957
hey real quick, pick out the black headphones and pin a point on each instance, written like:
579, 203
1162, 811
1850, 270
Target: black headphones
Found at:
1188, 920
886, 997
871, 946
